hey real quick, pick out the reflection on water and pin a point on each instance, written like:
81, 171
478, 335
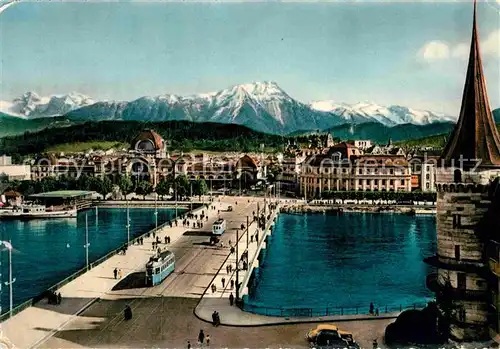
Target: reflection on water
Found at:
345, 261
52, 249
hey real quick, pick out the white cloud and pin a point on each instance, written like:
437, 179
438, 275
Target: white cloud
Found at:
460, 51
438, 50
434, 51
491, 45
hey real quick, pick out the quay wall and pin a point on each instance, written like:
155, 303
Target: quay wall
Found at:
339, 209
145, 203
254, 262
41, 296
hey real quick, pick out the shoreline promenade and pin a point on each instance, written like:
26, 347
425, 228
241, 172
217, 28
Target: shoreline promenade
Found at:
166, 315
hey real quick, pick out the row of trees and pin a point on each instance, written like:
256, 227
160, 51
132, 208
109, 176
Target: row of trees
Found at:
398, 196
180, 187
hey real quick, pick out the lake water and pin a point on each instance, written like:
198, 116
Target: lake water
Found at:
316, 261
50, 250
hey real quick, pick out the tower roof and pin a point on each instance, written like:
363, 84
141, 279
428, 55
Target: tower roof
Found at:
475, 137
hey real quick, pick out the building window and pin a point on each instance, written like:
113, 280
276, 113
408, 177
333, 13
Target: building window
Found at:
461, 315
391, 182
461, 281
392, 171
402, 182
457, 177
427, 176
383, 181
376, 181
427, 186
360, 182
457, 252
457, 221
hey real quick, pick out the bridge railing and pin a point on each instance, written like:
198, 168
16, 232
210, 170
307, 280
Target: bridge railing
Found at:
328, 311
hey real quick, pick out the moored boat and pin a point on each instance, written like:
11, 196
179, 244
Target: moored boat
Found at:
36, 212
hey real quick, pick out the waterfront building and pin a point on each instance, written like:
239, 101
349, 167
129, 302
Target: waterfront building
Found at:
343, 168
468, 207
69, 167
423, 169
10, 172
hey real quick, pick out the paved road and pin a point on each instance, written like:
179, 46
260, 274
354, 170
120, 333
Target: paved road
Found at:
196, 261
168, 322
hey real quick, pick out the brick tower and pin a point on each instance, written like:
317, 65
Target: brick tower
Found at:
468, 214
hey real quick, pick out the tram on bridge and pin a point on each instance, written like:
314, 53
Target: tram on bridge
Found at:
159, 267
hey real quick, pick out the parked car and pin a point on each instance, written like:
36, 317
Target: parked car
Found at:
347, 336
311, 335
327, 339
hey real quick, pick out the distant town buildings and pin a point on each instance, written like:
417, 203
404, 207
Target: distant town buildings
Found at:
11, 172
321, 166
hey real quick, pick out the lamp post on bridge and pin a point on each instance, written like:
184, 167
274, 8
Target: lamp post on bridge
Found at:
237, 267
8, 246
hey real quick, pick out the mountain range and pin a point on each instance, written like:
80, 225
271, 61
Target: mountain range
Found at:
262, 106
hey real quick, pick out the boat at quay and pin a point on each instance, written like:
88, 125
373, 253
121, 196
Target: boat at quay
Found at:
37, 212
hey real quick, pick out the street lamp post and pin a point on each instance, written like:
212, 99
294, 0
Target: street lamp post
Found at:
237, 267
248, 233
156, 211
128, 224
86, 241
8, 246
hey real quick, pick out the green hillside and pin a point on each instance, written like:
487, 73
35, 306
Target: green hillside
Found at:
379, 133
12, 125
181, 135
438, 141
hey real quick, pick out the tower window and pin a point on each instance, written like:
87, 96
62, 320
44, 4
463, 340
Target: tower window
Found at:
457, 177
457, 221
457, 252
461, 315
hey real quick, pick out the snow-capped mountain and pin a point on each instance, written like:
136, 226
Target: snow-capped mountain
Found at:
30, 105
262, 106
388, 115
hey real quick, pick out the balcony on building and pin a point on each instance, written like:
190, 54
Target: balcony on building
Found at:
463, 265
432, 282
494, 257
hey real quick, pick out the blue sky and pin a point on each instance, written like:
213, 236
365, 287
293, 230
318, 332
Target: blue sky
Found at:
411, 53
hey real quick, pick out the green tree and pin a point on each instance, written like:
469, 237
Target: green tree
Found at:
144, 188
200, 188
163, 188
181, 187
126, 185
103, 186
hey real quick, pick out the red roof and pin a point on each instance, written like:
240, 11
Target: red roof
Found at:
151, 135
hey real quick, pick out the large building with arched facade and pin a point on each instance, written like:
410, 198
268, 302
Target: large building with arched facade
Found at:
151, 162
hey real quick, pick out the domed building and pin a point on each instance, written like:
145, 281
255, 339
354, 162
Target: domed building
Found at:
150, 149
148, 142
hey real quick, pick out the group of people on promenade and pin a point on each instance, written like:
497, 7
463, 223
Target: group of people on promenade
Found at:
54, 298
117, 273
202, 339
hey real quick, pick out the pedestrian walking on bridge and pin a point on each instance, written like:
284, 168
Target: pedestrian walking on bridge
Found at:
231, 299
115, 273
201, 337
223, 282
